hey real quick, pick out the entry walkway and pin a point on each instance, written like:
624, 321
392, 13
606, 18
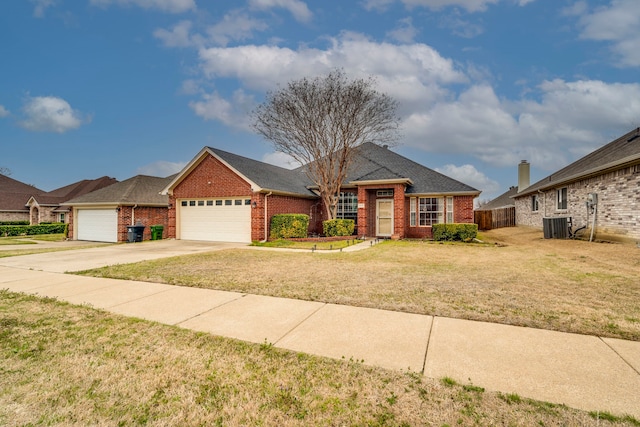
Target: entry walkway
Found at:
583, 372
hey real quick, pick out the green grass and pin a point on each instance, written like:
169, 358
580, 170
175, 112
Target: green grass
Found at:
31, 240
74, 365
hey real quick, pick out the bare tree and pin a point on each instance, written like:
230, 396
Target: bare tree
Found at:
321, 121
5, 171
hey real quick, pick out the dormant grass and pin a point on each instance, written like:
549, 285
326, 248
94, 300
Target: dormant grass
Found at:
516, 277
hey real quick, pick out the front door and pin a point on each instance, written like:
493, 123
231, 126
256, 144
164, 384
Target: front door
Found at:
384, 217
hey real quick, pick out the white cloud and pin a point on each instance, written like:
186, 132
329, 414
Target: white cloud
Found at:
170, 6
468, 5
178, 36
469, 175
236, 25
3, 111
161, 168
281, 159
234, 112
619, 24
405, 32
41, 6
569, 120
50, 114
297, 8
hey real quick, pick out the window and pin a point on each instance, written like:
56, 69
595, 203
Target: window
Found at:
247, 201
218, 202
431, 211
228, 202
237, 202
61, 217
209, 202
384, 193
200, 202
347, 206
192, 202
534, 203
183, 203
450, 210
562, 198
412, 214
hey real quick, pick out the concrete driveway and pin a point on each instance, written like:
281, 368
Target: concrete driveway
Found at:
80, 258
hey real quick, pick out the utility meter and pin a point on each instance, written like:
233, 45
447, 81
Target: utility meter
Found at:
592, 199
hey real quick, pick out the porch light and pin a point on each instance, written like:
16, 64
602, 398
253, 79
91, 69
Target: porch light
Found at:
254, 204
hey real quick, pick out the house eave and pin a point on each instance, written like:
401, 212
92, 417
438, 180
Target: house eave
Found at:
405, 181
610, 167
442, 194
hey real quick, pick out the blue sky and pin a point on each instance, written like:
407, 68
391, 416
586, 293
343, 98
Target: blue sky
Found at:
125, 87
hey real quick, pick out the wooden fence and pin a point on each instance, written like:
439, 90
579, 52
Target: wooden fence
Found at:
496, 218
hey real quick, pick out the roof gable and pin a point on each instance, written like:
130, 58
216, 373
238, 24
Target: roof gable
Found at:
374, 162
622, 151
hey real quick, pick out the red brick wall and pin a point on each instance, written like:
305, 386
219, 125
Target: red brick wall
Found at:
210, 178
146, 216
277, 204
462, 213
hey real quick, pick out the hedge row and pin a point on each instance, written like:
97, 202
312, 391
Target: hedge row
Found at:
14, 222
455, 232
288, 226
31, 230
338, 227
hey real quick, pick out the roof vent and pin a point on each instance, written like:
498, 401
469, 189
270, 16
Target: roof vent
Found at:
385, 146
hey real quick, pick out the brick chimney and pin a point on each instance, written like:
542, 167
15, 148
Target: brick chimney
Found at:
524, 175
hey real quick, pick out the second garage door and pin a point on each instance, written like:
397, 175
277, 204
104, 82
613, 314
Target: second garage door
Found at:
98, 225
218, 220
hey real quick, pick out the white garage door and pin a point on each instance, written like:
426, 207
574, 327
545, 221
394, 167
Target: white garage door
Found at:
218, 220
98, 225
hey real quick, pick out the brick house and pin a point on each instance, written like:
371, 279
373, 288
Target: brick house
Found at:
604, 185
22, 202
226, 197
105, 215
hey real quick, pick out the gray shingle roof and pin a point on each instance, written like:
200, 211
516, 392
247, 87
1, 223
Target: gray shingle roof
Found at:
622, 151
502, 201
379, 163
268, 177
140, 190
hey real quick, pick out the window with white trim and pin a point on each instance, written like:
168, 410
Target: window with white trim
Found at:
562, 198
347, 206
535, 203
449, 210
431, 210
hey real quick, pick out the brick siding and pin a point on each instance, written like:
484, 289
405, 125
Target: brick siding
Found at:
618, 203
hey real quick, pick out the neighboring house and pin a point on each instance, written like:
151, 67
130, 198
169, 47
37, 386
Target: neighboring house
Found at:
221, 196
104, 215
22, 202
604, 185
13, 199
47, 207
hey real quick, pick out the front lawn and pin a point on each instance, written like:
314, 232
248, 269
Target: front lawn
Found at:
516, 277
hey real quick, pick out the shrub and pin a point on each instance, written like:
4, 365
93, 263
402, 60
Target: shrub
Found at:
31, 230
14, 222
287, 226
338, 227
454, 232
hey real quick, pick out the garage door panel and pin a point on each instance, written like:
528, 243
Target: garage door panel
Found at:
99, 225
222, 223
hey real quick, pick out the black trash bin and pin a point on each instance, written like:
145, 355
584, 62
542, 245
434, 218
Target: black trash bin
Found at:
135, 233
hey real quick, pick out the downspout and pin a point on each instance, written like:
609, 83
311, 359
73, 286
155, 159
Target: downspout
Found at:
265, 216
133, 214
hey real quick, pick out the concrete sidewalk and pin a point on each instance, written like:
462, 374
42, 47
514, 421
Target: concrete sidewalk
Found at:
583, 372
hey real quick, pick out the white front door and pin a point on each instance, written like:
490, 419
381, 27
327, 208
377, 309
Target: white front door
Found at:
384, 217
